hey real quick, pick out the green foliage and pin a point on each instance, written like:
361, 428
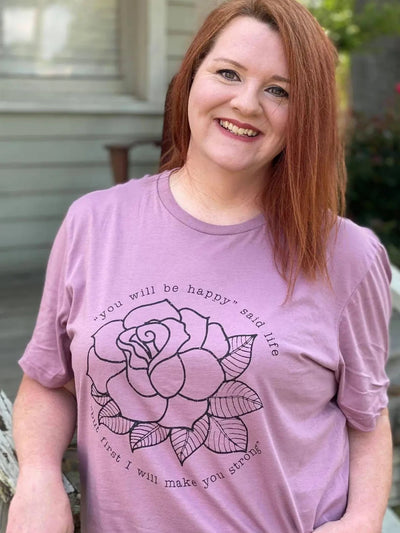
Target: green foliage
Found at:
373, 148
350, 28
373, 163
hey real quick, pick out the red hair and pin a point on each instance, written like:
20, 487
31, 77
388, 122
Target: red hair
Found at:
305, 191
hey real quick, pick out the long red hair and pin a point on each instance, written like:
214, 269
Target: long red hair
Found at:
305, 191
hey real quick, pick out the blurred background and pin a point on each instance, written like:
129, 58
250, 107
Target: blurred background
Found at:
84, 80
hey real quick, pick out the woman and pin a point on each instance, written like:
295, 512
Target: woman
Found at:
223, 330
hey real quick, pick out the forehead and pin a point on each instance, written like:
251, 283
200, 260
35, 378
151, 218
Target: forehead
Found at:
249, 39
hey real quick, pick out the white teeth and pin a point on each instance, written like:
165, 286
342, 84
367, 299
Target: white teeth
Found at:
237, 131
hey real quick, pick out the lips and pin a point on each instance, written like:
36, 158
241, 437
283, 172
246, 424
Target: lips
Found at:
239, 129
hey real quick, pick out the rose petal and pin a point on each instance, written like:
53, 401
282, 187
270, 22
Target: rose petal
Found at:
138, 355
178, 337
133, 405
196, 327
216, 341
154, 336
203, 374
183, 413
105, 342
151, 312
168, 377
101, 371
139, 380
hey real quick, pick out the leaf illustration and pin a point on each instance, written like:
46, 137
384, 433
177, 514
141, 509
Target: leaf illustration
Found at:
187, 441
110, 409
99, 398
117, 424
110, 416
147, 434
239, 356
226, 435
233, 398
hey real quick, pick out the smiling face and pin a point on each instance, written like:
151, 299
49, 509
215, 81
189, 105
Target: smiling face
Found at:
238, 103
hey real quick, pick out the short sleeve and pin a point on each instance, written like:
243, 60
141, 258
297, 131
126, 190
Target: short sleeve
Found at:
363, 344
47, 357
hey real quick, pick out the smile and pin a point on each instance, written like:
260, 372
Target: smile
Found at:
240, 132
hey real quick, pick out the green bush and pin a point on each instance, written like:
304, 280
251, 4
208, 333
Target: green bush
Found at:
373, 164
351, 26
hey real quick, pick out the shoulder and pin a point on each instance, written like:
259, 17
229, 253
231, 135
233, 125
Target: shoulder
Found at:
353, 253
113, 198
119, 201
353, 243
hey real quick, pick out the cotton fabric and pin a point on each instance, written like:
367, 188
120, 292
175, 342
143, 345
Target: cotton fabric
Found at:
205, 401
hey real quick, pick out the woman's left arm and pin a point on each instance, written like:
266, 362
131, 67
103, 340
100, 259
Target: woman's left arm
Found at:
370, 480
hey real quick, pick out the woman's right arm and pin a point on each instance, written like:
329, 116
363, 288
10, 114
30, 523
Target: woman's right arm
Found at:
43, 425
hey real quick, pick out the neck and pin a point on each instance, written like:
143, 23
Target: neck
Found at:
216, 197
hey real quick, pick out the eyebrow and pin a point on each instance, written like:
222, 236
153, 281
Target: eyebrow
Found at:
275, 77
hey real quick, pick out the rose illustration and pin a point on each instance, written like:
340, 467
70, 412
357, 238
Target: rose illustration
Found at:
166, 372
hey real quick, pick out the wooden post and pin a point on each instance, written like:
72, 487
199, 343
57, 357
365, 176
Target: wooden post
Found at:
119, 159
8, 460
119, 156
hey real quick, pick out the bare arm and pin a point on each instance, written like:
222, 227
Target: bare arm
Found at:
44, 423
370, 480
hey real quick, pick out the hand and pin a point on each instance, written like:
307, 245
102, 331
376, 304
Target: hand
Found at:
40, 505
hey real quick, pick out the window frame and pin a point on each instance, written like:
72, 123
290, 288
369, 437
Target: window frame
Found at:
143, 42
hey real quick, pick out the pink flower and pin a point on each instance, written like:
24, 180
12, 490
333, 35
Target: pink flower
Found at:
398, 88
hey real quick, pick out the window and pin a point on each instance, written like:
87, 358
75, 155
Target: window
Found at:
76, 50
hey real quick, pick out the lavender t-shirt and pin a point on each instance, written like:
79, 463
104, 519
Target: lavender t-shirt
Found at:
206, 403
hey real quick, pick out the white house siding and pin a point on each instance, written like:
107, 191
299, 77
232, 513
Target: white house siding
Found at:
48, 159
181, 25
184, 18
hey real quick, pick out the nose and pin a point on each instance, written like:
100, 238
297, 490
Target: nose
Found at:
247, 100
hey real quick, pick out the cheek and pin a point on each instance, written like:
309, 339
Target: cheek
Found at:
278, 126
205, 96
194, 107
199, 107
280, 122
